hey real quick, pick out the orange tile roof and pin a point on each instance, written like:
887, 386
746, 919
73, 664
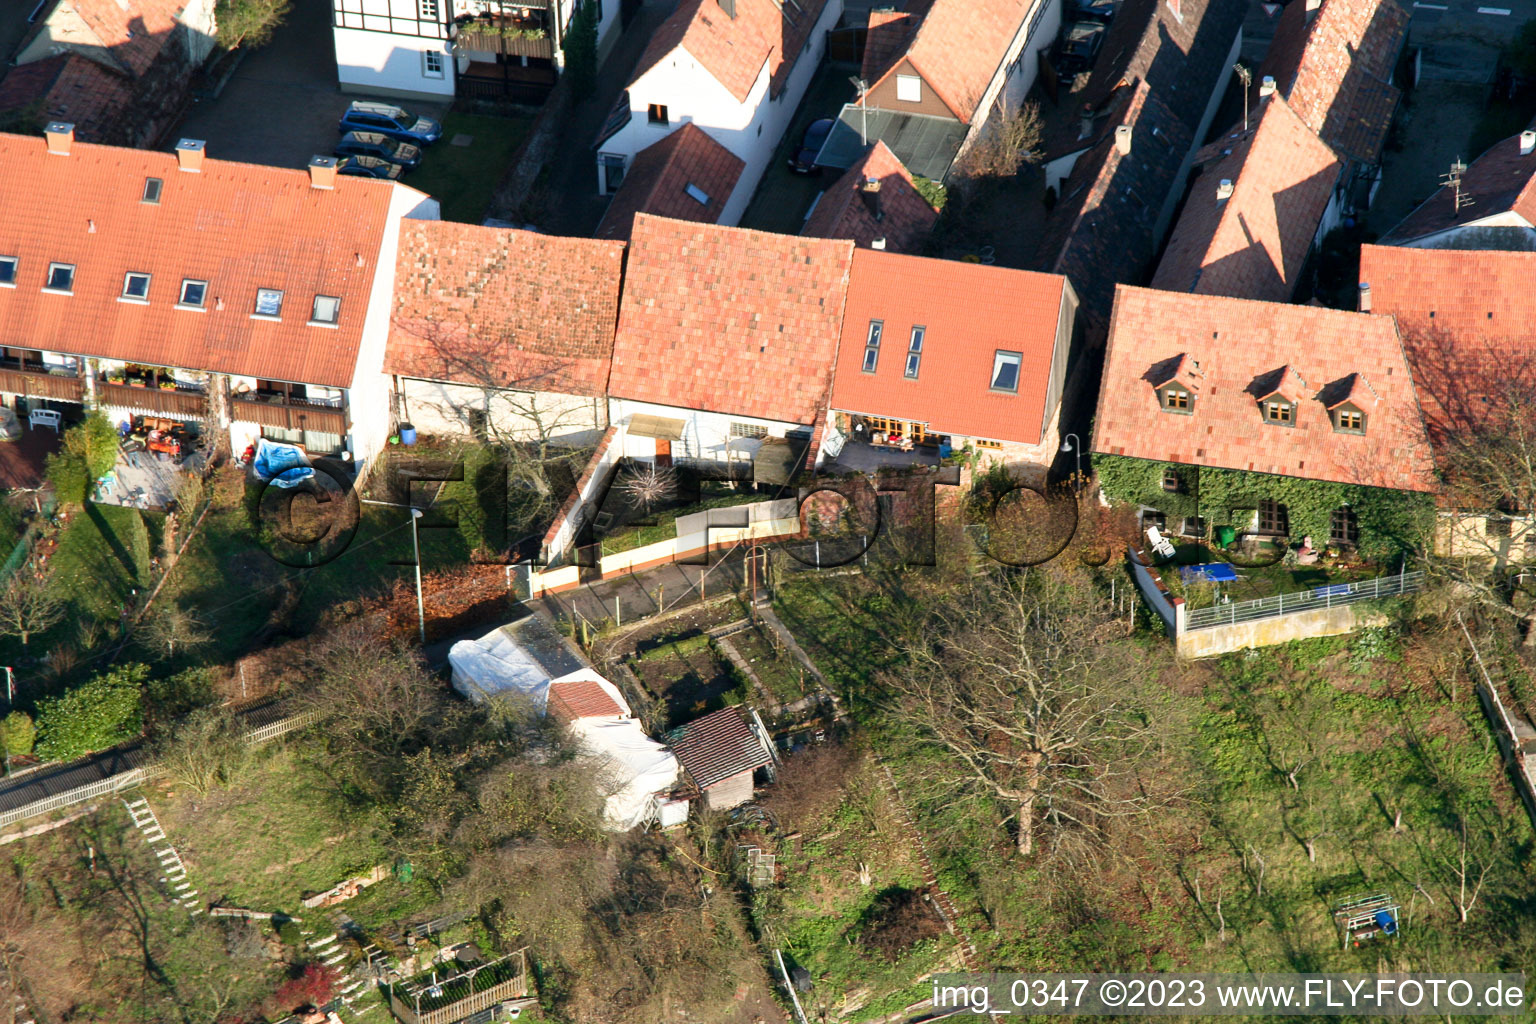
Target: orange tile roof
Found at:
71, 88
238, 226
504, 307
906, 218
135, 31
660, 175
1499, 181
581, 698
1334, 65
1236, 351
734, 50
886, 38
729, 320
1465, 317
960, 45
1252, 244
969, 312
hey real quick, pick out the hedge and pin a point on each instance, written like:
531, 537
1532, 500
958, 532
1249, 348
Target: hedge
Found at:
1391, 522
103, 712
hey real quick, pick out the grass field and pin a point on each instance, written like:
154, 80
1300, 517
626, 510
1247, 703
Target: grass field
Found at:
463, 178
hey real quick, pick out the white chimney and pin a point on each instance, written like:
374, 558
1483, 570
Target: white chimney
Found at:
1313, 5
1527, 142
1365, 297
189, 154
1123, 139
877, 243
322, 172
1224, 189
61, 135
1267, 86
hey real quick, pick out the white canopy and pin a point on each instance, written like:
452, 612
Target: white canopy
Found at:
495, 666
632, 768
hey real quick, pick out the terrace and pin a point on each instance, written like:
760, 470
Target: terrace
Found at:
444, 995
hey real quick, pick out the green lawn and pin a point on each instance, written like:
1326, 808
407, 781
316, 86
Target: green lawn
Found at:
662, 525
463, 178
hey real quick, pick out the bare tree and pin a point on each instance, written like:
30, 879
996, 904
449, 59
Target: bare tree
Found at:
172, 628
1009, 141
1027, 689
203, 750
28, 605
1465, 874
649, 484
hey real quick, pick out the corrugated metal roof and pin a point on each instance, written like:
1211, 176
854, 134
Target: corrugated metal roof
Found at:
717, 747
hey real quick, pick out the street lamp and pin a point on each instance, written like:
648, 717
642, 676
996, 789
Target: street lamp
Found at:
421, 614
1067, 446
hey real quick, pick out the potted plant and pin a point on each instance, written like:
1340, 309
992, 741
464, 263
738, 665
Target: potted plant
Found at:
166, 384
115, 376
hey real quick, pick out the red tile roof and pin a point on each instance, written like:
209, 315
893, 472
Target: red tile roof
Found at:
1465, 317
237, 226
961, 44
660, 175
1499, 181
504, 307
906, 218
888, 34
1334, 65
717, 747
71, 88
1235, 352
734, 50
582, 698
1252, 244
135, 31
970, 312
729, 320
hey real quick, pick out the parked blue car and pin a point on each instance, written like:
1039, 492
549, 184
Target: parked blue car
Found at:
380, 145
369, 167
388, 119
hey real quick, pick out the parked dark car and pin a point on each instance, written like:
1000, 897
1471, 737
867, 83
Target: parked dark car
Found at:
1079, 46
804, 160
1092, 10
380, 145
369, 167
387, 119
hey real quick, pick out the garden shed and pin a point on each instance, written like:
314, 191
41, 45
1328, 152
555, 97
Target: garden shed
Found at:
721, 753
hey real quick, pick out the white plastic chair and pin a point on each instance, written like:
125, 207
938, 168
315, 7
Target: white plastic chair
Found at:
1160, 544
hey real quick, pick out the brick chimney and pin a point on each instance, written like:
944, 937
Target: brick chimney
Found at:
189, 154
1365, 297
869, 191
322, 172
61, 135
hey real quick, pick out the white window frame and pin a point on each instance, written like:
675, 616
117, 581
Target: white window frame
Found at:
909, 88
428, 57
48, 285
14, 262
159, 185
314, 312
263, 293
129, 278
201, 305
1000, 358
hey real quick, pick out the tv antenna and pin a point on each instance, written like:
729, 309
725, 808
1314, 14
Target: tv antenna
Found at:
1452, 181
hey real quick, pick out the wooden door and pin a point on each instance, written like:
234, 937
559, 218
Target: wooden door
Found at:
663, 452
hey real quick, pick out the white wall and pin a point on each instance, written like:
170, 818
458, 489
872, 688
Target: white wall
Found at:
198, 17
707, 436
1022, 66
435, 407
390, 65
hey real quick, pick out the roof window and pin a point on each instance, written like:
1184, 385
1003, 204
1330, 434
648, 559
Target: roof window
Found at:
1174, 398
872, 345
327, 311
61, 278
152, 188
269, 303
697, 194
1005, 371
135, 287
8, 271
915, 352
194, 294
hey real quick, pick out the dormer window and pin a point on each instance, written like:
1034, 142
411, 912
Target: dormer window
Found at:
1175, 398
1348, 420
1279, 411
872, 345
152, 187
61, 278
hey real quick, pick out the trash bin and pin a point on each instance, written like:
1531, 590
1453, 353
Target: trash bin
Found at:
407, 434
1225, 535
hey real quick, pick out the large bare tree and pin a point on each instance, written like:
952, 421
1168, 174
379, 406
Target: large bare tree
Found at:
1027, 686
28, 605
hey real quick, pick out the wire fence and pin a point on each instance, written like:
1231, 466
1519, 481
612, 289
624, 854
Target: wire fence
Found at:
1327, 596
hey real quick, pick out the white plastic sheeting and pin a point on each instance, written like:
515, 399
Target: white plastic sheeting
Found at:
495, 666
632, 768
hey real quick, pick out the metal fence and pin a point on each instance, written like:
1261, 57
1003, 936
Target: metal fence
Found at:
1326, 596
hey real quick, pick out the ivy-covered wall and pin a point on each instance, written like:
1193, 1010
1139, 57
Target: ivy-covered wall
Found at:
1390, 521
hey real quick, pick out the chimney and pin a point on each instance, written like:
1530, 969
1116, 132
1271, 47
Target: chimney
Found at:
1224, 189
1267, 86
869, 190
322, 172
1123, 139
1527, 142
189, 154
61, 134
877, 243
1312, 6
1365, 297
729, 7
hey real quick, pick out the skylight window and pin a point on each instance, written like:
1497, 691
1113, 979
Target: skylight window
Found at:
697, 194
1005, 371
915, 352
269, 302
872, 345
152, 187
61, 278
135, 287
8, 271
327, 310
194, 294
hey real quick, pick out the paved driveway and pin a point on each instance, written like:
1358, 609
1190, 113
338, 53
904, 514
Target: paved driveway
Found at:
282, 105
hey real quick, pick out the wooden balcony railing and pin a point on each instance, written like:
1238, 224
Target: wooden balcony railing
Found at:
39, 383
292, 414
181, 404
482, 37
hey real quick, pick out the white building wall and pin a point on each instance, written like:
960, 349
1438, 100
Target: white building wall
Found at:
707, 436
198, 17
383, 64
1022, 66
436, 407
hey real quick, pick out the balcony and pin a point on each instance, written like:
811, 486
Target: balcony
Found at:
505, 37
182, 403
290, 412
37, 381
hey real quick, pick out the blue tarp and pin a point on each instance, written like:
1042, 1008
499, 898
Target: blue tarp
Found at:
285, 465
